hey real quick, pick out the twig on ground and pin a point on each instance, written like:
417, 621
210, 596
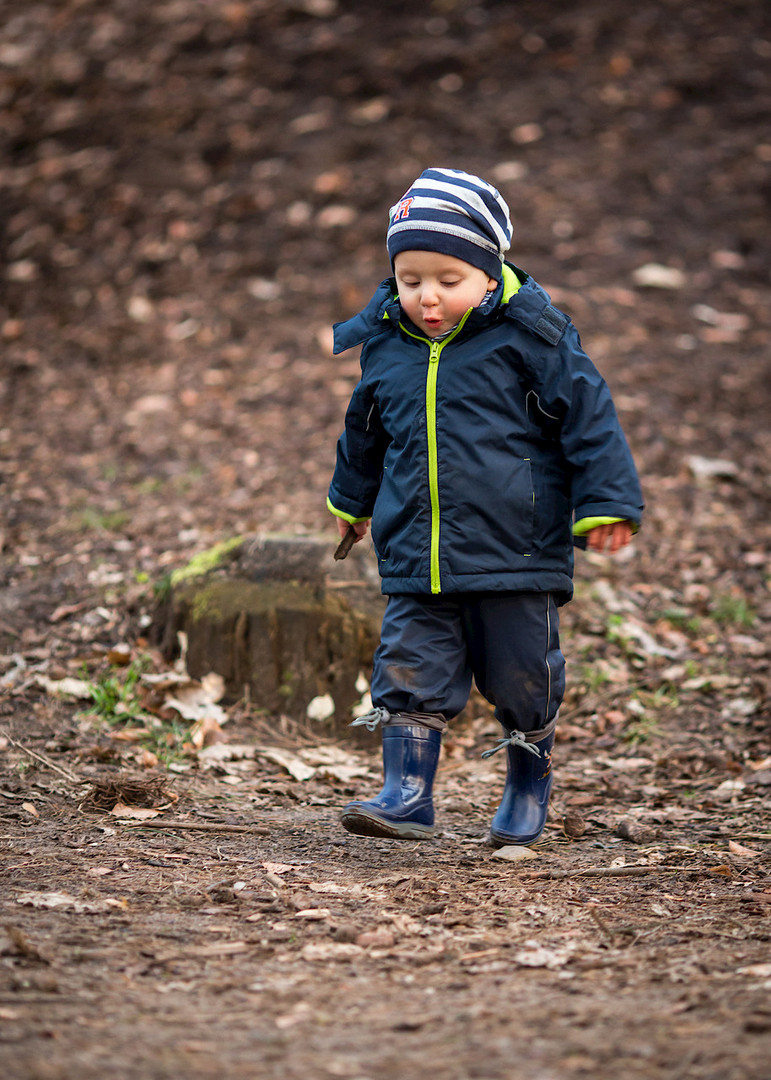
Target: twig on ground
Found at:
598, 919
202, 826
44, 760
614, 871
739, 836
477, 955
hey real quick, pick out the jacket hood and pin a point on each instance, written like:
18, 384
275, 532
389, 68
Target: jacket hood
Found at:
527, 305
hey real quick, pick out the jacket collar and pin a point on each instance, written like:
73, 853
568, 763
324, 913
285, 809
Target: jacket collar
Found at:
528, 305
531, 308
380, 314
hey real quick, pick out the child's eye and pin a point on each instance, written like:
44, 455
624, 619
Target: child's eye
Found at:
449, 284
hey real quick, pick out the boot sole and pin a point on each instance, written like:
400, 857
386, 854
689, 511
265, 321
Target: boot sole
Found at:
362, 824
498, 841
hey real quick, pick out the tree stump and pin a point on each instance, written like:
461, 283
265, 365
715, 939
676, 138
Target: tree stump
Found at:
280, 621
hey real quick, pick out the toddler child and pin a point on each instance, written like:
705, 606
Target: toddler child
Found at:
482, 443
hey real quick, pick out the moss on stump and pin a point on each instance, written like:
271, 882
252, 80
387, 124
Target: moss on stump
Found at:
279, 620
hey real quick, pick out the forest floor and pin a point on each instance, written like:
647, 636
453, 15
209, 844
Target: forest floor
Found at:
192, 193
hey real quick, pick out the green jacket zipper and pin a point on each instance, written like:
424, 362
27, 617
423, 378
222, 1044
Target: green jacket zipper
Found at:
434, 354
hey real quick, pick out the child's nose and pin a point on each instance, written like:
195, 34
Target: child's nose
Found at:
428, 295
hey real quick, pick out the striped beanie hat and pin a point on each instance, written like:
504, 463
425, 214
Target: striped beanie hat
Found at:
455, 213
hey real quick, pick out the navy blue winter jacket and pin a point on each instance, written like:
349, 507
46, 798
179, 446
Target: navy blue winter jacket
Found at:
474, 454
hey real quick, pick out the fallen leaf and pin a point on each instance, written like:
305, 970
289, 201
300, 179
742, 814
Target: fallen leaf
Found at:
762, 971
728, 789
740, 849
343, 773
68, 687
334, 763
30, 809
277, 867
64, 901
703, 468
313, 914
626, 764
119, 654
137, 813
656, 276
64, 610
129, 734
291, 762
194, 703
381, 937
540, 956
321, 708
330, 950
300, 1012
164, 680
221, 752
205, 730
214, 685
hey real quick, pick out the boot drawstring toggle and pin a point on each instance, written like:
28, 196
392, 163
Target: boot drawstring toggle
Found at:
370, 720
516, 738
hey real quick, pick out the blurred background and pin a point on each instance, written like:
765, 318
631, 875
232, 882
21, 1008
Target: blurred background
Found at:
193, 191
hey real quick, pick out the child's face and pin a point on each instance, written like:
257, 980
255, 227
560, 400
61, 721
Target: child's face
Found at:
437, 290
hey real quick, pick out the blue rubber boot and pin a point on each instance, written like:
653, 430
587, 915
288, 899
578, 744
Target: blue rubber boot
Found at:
521, 817
404, 809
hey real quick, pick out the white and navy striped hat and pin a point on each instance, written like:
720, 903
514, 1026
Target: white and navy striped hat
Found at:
455, 213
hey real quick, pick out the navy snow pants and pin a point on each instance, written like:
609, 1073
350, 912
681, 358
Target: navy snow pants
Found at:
432, 646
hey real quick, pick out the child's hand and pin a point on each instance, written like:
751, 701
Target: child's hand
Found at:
360, 528
616, 535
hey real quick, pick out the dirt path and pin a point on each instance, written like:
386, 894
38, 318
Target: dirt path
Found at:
296, 950
192, 193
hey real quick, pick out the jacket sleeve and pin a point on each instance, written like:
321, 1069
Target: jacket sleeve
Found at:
360, 452
604, 481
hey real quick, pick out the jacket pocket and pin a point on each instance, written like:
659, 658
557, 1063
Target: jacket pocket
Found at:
524, 506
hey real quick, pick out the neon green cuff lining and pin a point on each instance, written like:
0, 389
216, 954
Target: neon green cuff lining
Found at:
346, 517
585, 525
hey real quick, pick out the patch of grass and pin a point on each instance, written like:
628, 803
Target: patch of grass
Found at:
117, 700
150, 485
683, 619
114, 696
162, 588
166, 739
641, 730
733, 610
90, 519
593, 677
185, 482
647, 704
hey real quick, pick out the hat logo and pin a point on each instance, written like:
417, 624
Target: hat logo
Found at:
403, 209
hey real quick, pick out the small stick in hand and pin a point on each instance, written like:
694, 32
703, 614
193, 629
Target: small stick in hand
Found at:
346, 543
